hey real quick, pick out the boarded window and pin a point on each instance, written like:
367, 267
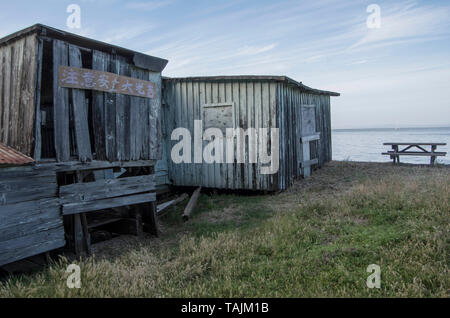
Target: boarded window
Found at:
218, 116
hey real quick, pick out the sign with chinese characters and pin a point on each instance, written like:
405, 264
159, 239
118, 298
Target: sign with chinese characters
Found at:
73, 77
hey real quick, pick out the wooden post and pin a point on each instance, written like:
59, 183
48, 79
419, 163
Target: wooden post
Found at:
395, 157
306, 157
78, 235
86, 235
139, 225
154, 219
82, 239
433, 158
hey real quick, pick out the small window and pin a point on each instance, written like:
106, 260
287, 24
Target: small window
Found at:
218, 116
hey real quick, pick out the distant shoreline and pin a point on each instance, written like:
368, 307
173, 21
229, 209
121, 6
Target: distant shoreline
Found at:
388, 129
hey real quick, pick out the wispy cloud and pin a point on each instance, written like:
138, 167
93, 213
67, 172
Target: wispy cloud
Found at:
121, 35
148, 5
254, 50
407, 21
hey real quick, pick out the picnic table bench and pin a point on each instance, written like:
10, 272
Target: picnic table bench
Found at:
395, 153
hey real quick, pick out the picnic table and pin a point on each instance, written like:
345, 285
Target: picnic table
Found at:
396, 152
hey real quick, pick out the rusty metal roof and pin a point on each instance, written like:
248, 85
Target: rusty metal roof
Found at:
11, 157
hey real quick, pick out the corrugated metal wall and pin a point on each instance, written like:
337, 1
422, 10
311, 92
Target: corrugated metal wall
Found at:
258, 104
17, 93
255, 106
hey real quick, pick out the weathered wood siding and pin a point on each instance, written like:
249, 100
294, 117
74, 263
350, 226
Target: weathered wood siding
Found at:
17, 93
254, 106
290, 100
30, 216
124, 128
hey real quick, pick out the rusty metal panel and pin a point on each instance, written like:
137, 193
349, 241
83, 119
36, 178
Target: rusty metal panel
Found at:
11, 157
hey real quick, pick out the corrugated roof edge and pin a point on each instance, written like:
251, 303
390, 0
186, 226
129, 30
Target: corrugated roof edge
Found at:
141, 60
12, 157
284, 79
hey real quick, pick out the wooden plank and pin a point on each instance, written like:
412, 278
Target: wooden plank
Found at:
6, 93
21, 182
415, 143
309, 163
106, 188
26, 172
2, 81
191, 205
100, 62
30, 245
27, 194
197, 166
415, 153
60, 104
153, 218
110, 116
27, 211
27, 96
121, 120
77, 230
80, 112
229, 166
31, 225
74, 208
135, 121
190, 127
155, 151
273, 178
305, 139
257, 89
15, 118
73, 77
38, 85
163, 206
94, 165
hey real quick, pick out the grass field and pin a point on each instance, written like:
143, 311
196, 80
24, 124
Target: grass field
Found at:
314, 240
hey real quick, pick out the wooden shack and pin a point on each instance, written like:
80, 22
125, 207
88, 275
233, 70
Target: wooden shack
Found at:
88, 111
301, 114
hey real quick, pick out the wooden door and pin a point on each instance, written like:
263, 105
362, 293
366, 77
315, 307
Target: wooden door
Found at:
308, 134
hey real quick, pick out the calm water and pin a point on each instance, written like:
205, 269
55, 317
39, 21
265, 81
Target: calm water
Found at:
367, 144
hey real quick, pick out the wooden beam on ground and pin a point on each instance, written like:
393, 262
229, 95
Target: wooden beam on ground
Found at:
164, 206
192, 203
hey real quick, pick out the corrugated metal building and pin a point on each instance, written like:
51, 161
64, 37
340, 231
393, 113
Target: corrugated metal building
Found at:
301, 113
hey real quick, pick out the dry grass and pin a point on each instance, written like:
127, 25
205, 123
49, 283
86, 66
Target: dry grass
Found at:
315, 240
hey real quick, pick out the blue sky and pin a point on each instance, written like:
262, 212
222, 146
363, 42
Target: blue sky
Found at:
394, 76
